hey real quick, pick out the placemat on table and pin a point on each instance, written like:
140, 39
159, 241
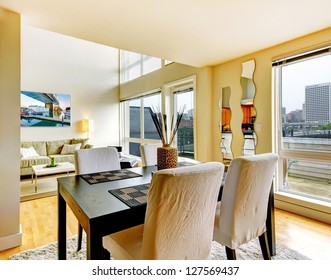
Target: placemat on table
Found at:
132, 196
107, 176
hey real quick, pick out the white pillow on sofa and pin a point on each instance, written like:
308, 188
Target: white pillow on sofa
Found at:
29, 152
70, 149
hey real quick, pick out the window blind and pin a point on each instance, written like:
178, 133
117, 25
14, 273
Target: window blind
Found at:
306, 55
183, 90
158, 91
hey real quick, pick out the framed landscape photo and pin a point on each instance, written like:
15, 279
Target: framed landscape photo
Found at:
45, 109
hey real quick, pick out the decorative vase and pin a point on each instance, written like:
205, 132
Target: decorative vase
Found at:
167, 157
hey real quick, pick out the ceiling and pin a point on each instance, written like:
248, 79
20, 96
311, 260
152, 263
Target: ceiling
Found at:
193, 32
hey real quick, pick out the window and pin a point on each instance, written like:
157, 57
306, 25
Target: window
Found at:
134, 65
137, 125
185, 133
150, 102
303, 85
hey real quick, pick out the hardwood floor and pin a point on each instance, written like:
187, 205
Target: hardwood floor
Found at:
39, 224
39, 227
309, 237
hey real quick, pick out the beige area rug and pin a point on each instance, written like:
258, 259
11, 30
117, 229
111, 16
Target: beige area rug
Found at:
250, 251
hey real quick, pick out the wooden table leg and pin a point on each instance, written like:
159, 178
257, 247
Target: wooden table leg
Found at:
62, 227
94, 248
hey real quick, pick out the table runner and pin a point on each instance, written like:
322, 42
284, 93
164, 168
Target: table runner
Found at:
107, 176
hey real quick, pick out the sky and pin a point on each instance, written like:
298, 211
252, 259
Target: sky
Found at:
64, 101
298, 75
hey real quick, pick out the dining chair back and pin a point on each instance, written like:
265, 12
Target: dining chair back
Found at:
242, 214
96, 160
179, 217
92, 161
148, 153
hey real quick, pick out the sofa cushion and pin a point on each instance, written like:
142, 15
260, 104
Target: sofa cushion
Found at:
55, 147
28, 162
29, 152
70, 149
39, 146
80, 140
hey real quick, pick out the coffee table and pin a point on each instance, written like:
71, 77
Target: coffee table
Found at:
42, 169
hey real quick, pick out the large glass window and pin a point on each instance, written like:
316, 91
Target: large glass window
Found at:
134, 111
138, 127
304, 87
134, 65
185, 133
150, 103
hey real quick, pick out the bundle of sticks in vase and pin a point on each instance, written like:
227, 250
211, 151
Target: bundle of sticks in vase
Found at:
166, 133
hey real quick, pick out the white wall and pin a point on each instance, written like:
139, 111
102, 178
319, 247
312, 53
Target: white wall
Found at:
10, 235
88, 72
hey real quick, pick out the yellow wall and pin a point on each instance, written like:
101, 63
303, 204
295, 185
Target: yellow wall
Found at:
10, 24
228, 74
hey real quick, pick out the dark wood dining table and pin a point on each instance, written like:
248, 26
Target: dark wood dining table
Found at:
100, 213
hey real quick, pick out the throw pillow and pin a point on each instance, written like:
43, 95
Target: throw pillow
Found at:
70, 149
80, 140
29, 152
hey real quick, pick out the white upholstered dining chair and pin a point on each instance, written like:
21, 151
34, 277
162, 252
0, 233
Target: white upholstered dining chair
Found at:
241, 215
179, 217
92, 161
148, 153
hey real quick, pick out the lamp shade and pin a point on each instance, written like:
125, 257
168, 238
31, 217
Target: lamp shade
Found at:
87, 125
90, 125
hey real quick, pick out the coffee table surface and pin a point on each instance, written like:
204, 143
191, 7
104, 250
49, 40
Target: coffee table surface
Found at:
61, 167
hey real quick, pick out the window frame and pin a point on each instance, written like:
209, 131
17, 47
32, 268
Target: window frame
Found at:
284, 153
125, 138
169, 100
166, 105
125, 67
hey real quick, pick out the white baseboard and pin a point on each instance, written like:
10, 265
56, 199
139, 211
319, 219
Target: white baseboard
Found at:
11, 241
320, 211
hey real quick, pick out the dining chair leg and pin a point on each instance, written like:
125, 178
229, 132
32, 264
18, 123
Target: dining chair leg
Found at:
264, 246
230, 253
80, 237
